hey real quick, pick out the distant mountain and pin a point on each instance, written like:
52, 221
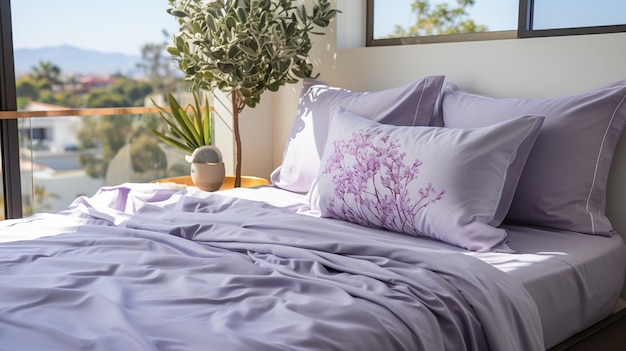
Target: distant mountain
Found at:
75, 60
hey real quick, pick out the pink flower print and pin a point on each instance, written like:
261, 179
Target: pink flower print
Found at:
372, 183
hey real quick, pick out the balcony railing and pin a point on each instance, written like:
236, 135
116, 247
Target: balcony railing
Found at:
73, 112
137, 157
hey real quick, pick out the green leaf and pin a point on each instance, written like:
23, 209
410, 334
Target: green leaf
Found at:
238, 74
210, 21
248, 67
231, 22
173, 51
248, 50
178, 13
173, 142
263, 21
320, 23
202, 120
207, 125
225, 67
183, 120
197, 27
234, 51
291, 29
242, 15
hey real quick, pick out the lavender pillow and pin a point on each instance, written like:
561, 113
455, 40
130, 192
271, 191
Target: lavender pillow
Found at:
453, 185
409, 105
563, 185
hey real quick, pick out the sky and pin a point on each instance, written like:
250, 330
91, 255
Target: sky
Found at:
107, 26
125, 25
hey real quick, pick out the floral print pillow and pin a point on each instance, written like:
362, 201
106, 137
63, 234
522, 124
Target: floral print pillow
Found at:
371, 179
453, 185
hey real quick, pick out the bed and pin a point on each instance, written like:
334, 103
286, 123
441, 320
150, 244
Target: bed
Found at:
391, 224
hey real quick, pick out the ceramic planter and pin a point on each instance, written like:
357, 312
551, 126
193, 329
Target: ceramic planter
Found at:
207, 169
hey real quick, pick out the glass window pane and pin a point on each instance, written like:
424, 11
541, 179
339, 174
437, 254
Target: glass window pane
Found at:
402, 18
91, 54
51, 178
555, 14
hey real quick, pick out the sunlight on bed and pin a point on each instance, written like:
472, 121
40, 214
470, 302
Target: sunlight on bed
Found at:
511, 262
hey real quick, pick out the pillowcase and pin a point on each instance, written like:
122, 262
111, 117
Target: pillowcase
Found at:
453, 185
563, 185
409, 105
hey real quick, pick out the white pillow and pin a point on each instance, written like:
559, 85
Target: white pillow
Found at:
408, 105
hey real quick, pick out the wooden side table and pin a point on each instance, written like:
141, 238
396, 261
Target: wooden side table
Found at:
229, 181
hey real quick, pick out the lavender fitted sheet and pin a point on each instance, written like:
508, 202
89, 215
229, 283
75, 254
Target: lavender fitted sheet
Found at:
575, 279
146, 267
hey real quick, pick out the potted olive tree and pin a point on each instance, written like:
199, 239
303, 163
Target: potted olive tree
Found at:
245, 47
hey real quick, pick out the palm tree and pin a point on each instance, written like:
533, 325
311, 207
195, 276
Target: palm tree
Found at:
46, 73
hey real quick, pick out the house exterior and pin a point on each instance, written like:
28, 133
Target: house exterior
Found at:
53, 134
51, 174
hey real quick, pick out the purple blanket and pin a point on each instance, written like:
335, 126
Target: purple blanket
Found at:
144, 267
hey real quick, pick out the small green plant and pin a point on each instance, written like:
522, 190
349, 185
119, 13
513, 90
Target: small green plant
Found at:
187, 128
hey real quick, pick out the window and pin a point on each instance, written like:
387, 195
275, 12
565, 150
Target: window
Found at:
427, 21
570, 17
87, 81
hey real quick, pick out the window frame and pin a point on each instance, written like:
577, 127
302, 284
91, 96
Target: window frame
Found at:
11, 181
525, 25
524, 30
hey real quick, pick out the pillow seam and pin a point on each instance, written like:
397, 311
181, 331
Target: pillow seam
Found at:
419, 101
595, 171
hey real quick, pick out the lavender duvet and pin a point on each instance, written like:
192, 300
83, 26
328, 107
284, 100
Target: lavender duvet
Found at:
148, 267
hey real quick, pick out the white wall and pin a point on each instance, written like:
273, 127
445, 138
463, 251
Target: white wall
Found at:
256, 129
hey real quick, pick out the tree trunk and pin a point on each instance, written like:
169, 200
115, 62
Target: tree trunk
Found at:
236, 109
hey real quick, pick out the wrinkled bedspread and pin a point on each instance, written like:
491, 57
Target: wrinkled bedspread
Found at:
147, 267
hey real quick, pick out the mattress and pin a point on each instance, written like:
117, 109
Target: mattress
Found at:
575, 279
